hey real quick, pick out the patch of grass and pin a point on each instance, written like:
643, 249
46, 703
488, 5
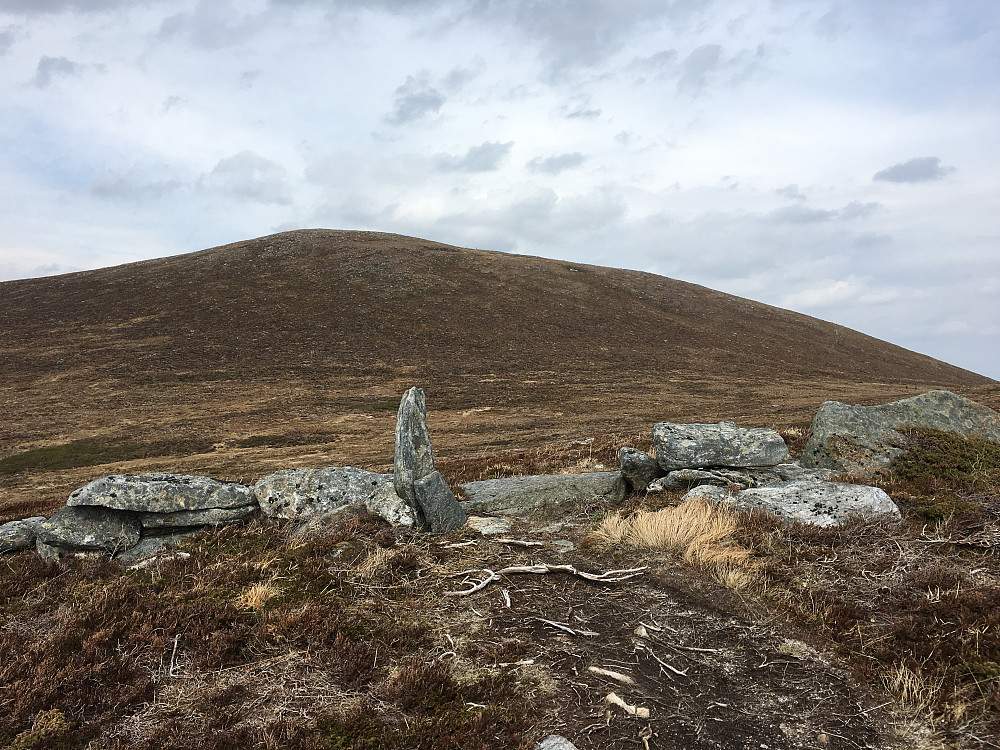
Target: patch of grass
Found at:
94, 452
697, 531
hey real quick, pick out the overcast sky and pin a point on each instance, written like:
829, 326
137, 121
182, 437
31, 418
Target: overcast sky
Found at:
840, 158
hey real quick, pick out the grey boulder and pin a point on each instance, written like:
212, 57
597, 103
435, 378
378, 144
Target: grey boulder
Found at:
696, 446
638, 467
863, 439
810, 501
306, 493
88, 528
160, 492
18, 535
437, 503
414, 456
519, 495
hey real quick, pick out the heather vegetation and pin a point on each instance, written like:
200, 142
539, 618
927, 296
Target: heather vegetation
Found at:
258, 637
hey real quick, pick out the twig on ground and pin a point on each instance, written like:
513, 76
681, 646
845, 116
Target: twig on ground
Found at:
638, 712
567, 628
610, 576
520, 543
624, 679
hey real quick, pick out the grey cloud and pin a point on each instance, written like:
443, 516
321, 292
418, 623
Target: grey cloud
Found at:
697, 67
133, 190
580, 110
53, 66
483, 158
249, 176
38, 7
858, 210
556, 164
791, 192
456, 78
920, 169
800, 215
7, 39
415, 99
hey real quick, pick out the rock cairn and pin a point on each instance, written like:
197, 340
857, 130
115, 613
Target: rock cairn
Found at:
133, 516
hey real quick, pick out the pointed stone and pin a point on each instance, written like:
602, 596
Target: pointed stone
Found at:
414, 458
438, 504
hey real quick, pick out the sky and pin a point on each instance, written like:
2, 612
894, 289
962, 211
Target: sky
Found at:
839, 158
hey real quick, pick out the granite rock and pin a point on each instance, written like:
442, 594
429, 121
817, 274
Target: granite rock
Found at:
18, 535
161, 493
865, 439
696, 446
414, 456
438, 505
90, 528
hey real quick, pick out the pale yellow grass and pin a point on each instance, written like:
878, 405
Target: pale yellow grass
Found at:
696, 531
257, 595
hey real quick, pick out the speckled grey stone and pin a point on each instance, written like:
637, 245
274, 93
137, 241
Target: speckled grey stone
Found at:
863, 439
438, 504
414, 456
160, 492
638, 467
696, 446
518, 495
89, 528
18, 535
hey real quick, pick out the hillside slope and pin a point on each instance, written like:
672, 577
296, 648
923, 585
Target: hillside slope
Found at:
317, 300
293, 350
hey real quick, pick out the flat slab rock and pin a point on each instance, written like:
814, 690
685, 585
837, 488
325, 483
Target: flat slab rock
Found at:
863, 439
90, 528
184, 519
810, 501
160, 492
18, 535
519, 495
696, 446
307, 493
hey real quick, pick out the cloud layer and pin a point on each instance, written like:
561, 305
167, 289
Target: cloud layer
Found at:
837, 157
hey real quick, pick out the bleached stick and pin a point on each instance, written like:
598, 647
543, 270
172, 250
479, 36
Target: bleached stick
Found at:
611, 576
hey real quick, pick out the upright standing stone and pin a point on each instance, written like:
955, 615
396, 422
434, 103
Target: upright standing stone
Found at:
414, 457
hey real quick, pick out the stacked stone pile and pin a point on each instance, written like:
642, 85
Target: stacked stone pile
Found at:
133, 516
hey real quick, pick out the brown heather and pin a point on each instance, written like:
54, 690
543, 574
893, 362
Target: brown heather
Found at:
292, 350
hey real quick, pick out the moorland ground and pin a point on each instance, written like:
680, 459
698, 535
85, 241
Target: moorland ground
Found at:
292, 351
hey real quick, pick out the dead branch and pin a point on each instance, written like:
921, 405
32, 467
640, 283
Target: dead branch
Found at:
520, 543
610, 576
567, 628
624, 679
637, 711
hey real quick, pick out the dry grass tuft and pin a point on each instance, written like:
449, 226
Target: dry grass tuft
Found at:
697, 531
915, 691
257, 595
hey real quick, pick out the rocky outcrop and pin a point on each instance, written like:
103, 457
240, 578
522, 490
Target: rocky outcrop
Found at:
414, 456
695, 446
161, 493
810, 501
863, 439
305, 493
519, 495
18, 535
438, 504
85, 528
638, 467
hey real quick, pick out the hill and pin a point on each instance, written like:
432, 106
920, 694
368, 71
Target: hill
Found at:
295, 347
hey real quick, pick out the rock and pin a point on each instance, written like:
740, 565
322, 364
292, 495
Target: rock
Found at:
88, 528
437, 503
863, 439
555, 742
489, 526
161, 493
742, 478
414, 457
792, 472
696, 446
306, 493
18, 535
810, 501
638, 467
161, 522
519, 495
